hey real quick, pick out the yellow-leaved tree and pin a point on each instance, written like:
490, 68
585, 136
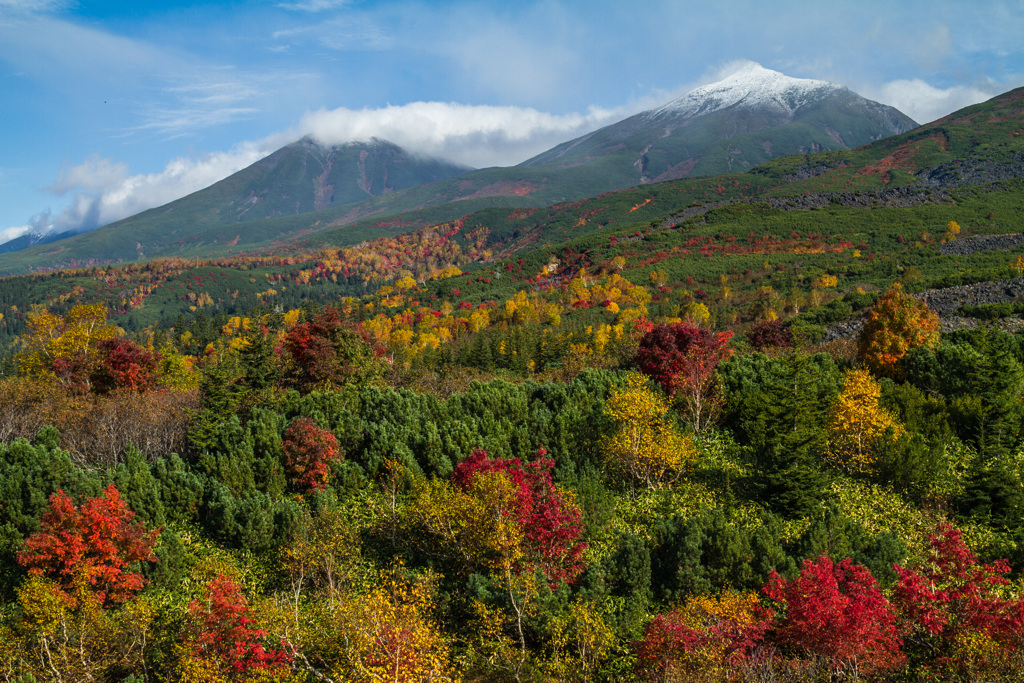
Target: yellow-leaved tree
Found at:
387, 633
581, 640
65, 344
856, 423
49, 639
646, 446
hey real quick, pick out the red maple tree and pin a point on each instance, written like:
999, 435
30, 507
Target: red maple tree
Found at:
837, 611
770, 333
224, 634
308, 451
327, 350
682, 358
123, 364
551, 525
88, 550
952, 598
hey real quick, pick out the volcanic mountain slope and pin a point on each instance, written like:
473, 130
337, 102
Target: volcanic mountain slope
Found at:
300, 178
752, 116
748, 118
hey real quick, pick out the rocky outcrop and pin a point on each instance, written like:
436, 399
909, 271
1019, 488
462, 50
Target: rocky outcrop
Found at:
972, 245
973, 172
896, 197
946, 302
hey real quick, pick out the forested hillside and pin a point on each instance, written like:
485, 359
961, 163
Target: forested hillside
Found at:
642, 437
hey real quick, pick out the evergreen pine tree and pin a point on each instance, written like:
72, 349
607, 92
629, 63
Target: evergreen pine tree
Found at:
793, 411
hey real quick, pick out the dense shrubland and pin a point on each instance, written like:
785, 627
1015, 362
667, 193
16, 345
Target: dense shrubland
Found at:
305, 499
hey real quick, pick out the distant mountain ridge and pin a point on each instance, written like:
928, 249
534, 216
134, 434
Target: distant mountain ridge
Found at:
308, 176
742, 121
751, 116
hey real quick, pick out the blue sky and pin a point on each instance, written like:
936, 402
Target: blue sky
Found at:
109, 108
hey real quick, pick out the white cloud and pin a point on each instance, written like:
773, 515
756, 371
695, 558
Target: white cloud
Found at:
94, 174
15, 232
924, 102
474, 135
103, 191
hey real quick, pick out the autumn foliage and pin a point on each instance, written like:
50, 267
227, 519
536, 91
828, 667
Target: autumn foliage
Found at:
770, 333
89, 549
896, 324
958, 613
326, 350
65, 346
705, 638
645, 446
837, 611
224, 639
682, 358
549, 523
123, 364
308, 451
388, 634
856, 423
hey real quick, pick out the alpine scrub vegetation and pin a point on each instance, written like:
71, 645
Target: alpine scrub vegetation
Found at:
615, 439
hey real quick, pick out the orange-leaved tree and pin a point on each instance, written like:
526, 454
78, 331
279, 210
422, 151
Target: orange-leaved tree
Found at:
89, 550
895, 325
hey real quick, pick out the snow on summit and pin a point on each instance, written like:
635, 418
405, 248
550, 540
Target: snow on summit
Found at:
752, 86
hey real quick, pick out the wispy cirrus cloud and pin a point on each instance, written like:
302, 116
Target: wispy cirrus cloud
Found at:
157, 90
32, 6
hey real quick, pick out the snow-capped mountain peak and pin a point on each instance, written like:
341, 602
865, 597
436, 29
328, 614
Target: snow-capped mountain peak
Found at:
752, 86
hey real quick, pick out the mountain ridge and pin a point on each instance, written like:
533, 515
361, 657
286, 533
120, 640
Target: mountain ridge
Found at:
300, 188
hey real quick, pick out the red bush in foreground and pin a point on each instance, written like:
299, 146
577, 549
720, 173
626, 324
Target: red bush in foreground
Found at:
836, 611
952, 601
